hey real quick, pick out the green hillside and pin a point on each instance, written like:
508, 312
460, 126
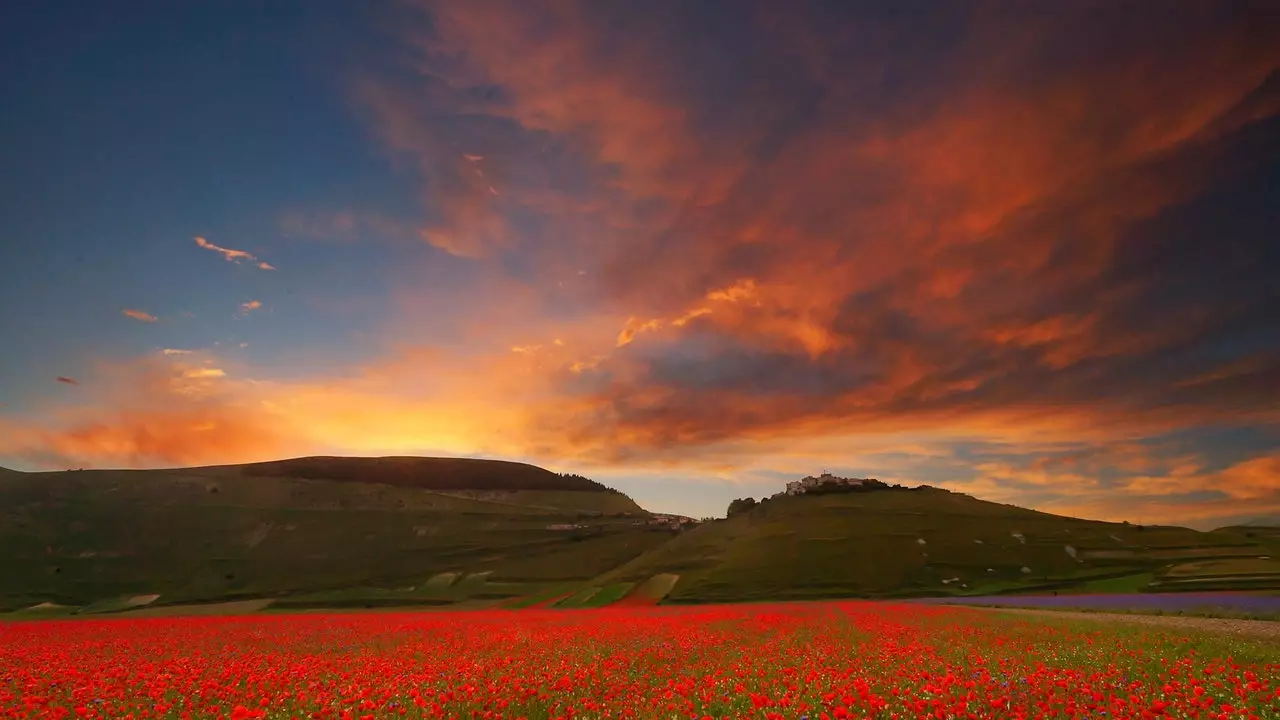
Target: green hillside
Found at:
316, 533
895, 543
218, 533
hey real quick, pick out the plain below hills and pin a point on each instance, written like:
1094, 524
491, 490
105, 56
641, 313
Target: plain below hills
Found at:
326, 532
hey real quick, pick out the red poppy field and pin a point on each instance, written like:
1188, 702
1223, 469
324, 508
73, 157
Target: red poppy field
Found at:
802, 660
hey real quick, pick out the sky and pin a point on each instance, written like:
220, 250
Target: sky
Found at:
1026, 251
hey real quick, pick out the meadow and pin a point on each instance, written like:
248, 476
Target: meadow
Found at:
1265, 606
815, 660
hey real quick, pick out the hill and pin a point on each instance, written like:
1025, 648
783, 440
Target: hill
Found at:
1265, 522
326, 532
227, 532
926, 541
427, 473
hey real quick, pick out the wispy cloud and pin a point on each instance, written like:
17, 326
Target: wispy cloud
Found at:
234, 255
203, 372
67, 381
248, 307
175, 351
634, 327
139, 315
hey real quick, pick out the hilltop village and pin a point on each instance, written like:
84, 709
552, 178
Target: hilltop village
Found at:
823, 484
827, 481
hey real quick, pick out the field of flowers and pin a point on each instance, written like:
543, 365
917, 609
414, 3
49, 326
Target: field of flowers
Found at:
797, 660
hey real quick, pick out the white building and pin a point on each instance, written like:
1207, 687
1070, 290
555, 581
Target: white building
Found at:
802, 486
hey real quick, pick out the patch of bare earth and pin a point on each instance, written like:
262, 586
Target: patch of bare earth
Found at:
237, 607
1217, 626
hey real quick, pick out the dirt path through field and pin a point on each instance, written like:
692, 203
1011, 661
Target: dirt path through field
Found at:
1219, 626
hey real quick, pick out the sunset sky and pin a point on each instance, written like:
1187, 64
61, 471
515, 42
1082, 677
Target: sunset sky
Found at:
1028, 251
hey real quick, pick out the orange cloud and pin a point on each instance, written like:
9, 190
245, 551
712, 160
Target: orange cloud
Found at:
234, 255
815, 255
1158, 489
795, 231
207, 372
1255, 479
248, 307
634, 327
187, 409
139, 315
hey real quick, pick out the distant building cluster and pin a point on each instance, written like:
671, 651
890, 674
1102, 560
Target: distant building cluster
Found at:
825, 480
672, 521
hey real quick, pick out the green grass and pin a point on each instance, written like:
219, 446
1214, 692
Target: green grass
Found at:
212, 534
609, 594
1124, 584
80, 537
559, 500
578, 599
1224, 568
1203, 643
471, 588
1204, 612
657, 587
537, 598
868, 545
442, 580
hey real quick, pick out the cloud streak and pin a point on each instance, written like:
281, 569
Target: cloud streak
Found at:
234, 256
139, 315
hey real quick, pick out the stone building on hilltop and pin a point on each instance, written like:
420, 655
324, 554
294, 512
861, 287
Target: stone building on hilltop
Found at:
825, 480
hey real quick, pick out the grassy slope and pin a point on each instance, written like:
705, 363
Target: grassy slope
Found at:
1260, 571
869, 545
215, 533
222, 533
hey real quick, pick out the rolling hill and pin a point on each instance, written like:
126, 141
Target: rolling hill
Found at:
928, 541
326, 532
1272, 521
306, 525
425, 473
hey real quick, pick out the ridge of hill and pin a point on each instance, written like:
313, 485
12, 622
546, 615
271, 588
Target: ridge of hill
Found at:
428, 473
1271, 521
